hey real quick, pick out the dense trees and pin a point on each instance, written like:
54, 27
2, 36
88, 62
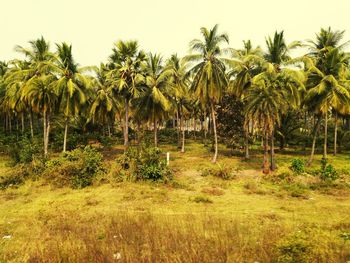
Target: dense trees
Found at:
271, 94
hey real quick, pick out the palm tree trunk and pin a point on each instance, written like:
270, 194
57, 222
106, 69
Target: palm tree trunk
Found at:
246, 143
48, 131
335, 133
31, 123
22, 121
317, 126
272, 152
183, 134
10, 123
155, 132
266, 166
126, 127
194, 128
325, 136
215, 134
45, 134
109, 129
65, 135
178, 129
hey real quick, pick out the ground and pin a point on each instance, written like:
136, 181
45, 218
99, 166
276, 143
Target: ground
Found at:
196, 219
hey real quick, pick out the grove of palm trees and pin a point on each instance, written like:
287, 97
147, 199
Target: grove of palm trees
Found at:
257, 140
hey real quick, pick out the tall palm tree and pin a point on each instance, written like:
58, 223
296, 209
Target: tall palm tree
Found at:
179, 92
329, 88
126, 64
319, 62
153, 104
278, 56
209, 77
245, 64
103, 105
271, 94
72, 86
38, 90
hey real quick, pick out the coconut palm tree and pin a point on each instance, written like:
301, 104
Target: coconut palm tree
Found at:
209, 77
154, 104
326, 41
179, 92
126, 64
245, 64
103, 105
72, 86
38, 90
329, 88
278, 56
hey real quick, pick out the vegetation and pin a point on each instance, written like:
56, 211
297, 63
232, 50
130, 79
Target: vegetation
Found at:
128, 143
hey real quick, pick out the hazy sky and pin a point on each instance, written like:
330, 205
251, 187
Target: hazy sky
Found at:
165, 26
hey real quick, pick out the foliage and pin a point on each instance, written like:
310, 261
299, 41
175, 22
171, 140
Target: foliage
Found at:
14, 177
230, 121
297, 166
328, 172
221, 171
75, 168
144, 163
295, 248
23, 151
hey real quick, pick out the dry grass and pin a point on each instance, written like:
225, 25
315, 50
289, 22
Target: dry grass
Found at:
247, 220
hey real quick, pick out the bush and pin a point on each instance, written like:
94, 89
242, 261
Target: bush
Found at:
76, 168
202, 199
221, 171
14, 177
297, 166
295, 248
143, 164
328, 172
23, 151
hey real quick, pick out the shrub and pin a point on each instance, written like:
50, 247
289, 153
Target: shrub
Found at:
202, 199
297, 166
14, 177
221, 171
328, 172
144, 163
76, 168
23, 151
295, 248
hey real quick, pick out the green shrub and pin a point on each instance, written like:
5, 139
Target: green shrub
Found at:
221, 171
296, 190
296, 248
297, 166
328, 172
14, 177
76, 168
144, 163
202, 199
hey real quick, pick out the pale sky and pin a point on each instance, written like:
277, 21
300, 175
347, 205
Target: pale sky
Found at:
164, 26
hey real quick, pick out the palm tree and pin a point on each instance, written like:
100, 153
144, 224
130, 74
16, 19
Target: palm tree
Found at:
153, 104
38, 90
103, 105
278, 56
329, 89
245, 64
179, 91
209, 77
326, 41
126, 75
71, 85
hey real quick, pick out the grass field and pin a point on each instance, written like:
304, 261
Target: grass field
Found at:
194, 219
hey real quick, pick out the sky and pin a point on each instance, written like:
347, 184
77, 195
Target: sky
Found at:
162, 26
